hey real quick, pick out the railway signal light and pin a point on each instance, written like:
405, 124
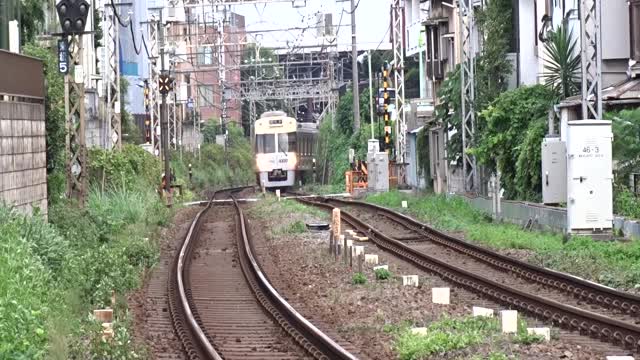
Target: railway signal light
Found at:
165, 83
387, 102
72, 15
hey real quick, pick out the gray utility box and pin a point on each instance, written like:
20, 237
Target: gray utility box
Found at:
378, 167
554, 171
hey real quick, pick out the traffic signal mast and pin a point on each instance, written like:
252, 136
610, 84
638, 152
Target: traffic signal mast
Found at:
73, 19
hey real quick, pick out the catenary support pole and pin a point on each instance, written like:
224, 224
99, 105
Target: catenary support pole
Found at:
354, 68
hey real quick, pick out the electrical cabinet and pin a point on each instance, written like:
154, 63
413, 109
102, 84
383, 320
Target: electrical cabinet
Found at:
378, 168
589, 176
554, 171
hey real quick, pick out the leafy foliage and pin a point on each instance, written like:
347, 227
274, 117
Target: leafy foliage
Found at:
523, 337
383, 274
445, 335
448, 111
215, 168
54, 117
507, 122
562, 67
126, 169
493, 67
358, 279
31, 19
626, 142
423, 151
334, 144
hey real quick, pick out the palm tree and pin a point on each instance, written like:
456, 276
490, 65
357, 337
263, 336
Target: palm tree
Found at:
562, 67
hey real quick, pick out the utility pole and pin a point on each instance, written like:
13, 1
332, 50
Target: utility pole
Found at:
397, 18
73, 18
164, 121
591, 37
354, 57
371, 95
467, 80
111, 78
77, 159
153, 86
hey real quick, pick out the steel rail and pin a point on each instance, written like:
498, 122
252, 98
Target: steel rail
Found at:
594, 325
580, 288
308, 335
184, 315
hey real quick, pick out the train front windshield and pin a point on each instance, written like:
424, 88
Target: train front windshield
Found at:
267, 144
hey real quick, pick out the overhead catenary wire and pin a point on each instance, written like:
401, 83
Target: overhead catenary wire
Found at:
130, 26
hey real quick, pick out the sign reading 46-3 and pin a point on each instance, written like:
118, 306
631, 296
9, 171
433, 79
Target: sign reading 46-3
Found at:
63, 56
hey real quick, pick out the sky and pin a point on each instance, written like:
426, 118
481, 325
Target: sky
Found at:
372, 23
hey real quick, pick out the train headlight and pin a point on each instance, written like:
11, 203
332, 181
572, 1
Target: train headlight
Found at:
263, 163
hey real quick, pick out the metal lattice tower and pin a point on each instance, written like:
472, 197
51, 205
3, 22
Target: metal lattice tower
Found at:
397, 12
76, 146
154, 76
467, 79
111, 79
173, 127
591, 36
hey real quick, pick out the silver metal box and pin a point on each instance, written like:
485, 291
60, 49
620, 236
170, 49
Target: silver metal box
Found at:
554, 171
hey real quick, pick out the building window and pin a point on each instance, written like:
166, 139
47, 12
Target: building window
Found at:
205, 55
205, 95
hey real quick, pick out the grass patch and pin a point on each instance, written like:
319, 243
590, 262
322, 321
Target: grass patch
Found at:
451, 334
317, 189
610, 263
296, 227
270, 207
358, 279
382, 274
444, 336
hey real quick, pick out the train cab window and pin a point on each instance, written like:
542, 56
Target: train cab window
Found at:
265, 143
287, 142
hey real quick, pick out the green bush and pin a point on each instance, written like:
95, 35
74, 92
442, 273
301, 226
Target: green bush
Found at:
358, 279
133, 167
71, 265
625, 202
523, 337
215, 168
512, 133
383, 274
27, 291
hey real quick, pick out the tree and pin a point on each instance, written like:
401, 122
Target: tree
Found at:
562, 68
493, 67
31, 19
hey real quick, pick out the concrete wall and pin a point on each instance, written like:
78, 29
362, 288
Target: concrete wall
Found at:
23, 158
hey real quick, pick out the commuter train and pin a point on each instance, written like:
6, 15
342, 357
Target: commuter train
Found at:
285, 149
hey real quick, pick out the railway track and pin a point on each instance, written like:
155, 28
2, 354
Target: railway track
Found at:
566, 301
222, 305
